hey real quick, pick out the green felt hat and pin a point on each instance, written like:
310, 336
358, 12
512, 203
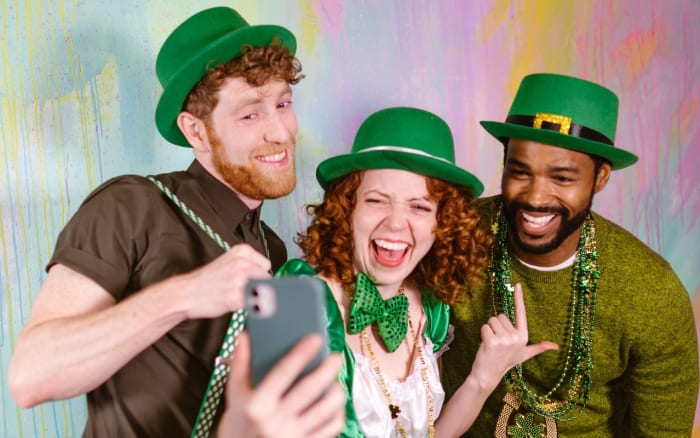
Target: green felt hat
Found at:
567, 112
205, 40
401, 138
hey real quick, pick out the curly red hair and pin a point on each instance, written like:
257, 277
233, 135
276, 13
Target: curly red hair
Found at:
257, 65
453, 265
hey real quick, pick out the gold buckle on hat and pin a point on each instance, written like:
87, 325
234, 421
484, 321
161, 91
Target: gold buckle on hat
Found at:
563, 121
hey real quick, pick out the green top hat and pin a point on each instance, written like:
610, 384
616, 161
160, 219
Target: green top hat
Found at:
567, 112
401, 138
203, 41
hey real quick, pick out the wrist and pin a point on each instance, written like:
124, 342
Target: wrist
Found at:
479, 385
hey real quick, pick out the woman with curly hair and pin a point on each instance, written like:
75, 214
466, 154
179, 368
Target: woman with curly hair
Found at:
397, 241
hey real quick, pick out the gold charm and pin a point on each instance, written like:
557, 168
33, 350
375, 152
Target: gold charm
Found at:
522, 425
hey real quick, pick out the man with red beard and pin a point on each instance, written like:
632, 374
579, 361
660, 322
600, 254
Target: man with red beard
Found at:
627, 363
147, 278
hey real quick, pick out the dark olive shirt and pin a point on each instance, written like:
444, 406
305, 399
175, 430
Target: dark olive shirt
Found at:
128, 235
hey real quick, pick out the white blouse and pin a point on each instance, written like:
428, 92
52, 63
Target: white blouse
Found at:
371, 407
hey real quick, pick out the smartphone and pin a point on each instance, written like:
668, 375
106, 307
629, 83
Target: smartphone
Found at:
281, 311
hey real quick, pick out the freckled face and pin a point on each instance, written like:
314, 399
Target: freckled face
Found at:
393, 225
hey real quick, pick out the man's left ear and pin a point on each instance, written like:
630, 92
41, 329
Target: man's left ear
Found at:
602, 177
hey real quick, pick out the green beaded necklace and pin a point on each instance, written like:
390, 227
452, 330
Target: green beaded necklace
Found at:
578, 364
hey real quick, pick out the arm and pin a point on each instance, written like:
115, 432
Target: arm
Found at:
313, 407
77, 336
503, 346
662, 377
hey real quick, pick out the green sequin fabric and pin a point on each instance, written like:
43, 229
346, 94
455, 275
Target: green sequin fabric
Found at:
368, 307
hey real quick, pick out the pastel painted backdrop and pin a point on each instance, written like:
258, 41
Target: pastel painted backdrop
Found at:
77, 93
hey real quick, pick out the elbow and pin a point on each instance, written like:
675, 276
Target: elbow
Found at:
22, 387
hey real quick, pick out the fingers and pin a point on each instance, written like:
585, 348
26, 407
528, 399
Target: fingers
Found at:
500, 332
519, 303
239, 376
310, 407
287, 370
326, 418
225, 278
249, 255
500, 325
312, 386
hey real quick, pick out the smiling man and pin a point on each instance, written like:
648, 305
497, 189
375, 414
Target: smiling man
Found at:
627, 363
142, 287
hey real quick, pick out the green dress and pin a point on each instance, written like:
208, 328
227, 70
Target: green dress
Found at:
437, 316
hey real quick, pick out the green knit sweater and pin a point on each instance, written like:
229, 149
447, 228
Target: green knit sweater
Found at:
645, 354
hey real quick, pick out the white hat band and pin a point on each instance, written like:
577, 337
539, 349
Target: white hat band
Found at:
405, 150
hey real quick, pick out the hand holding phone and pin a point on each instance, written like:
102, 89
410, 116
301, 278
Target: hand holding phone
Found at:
282, 405
281, 311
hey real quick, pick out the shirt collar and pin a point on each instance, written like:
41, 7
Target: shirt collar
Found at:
222, 199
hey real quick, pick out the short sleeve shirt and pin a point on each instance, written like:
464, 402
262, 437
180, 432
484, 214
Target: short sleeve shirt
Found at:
128, 235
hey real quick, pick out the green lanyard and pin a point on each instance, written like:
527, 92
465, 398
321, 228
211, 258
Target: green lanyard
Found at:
217, 381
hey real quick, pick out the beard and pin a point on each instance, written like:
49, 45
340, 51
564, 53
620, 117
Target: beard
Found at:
250, 180
568, 224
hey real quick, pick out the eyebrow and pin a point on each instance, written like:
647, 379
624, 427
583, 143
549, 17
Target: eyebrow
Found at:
386, 195
258, 98
565, 168
247, 102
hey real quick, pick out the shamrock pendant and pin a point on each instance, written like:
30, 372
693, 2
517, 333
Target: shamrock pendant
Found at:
395, 410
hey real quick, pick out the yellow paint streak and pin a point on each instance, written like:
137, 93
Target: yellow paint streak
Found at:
83, 101
541, 34
10, 124
310, 31
87, 146
106, 88
545, 36
24, 120
688, 116
494, 19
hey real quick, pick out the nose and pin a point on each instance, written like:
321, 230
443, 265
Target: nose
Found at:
537, 193
280, 127
396, 217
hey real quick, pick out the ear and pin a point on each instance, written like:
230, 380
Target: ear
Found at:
601, 179
193, 129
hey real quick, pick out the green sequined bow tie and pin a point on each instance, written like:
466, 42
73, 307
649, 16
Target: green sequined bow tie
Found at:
368, 307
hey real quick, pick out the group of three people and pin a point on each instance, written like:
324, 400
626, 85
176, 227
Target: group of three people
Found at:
146, 281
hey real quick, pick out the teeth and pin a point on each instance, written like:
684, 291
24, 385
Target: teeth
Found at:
391, 246
272, 158
538, 221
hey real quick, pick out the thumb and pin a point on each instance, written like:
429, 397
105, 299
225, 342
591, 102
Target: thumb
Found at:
239, 376
535, 349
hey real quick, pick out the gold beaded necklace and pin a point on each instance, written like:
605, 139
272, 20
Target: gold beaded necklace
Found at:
394, 409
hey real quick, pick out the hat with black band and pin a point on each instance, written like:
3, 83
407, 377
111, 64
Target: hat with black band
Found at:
567, 112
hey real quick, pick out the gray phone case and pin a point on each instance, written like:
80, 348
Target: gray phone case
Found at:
281, 311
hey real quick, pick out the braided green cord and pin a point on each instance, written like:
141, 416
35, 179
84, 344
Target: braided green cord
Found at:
217, 381
192, 215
